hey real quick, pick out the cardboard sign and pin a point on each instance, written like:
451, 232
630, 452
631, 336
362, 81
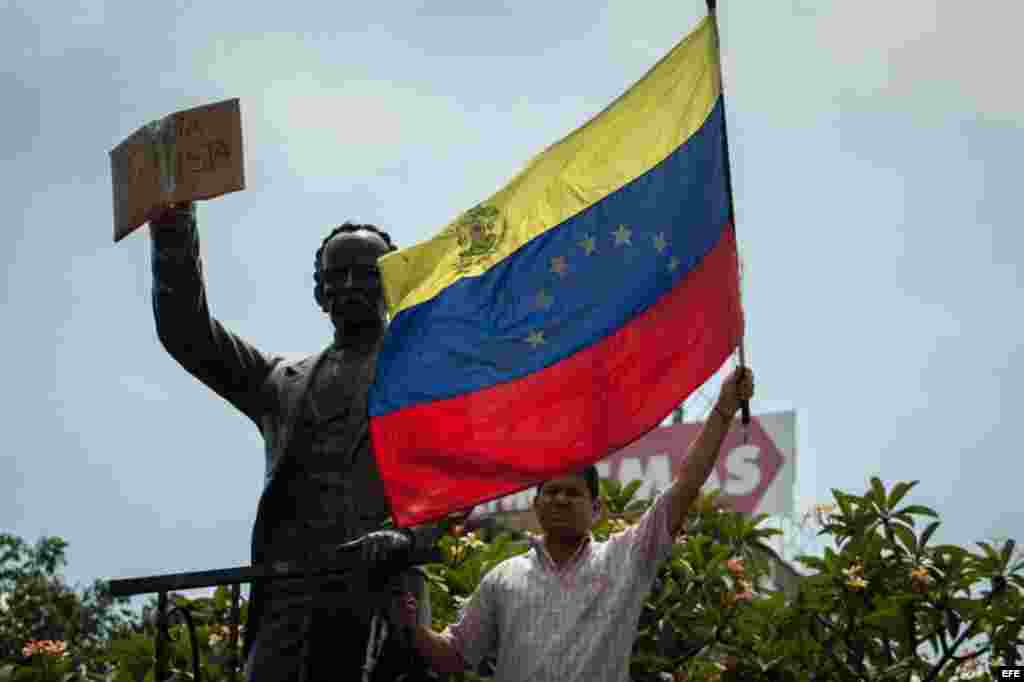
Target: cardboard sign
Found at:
186, 156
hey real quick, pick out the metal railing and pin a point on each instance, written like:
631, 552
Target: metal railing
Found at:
165, 584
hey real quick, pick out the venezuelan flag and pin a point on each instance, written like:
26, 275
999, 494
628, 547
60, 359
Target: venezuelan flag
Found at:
566, 315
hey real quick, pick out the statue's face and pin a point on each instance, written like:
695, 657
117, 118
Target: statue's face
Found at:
352, 291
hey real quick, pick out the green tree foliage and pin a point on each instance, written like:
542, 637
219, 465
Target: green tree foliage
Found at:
36, 604
881, 602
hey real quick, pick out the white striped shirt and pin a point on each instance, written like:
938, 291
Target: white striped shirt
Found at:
577, 622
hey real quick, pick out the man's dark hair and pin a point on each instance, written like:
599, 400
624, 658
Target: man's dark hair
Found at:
318, 285
589, 474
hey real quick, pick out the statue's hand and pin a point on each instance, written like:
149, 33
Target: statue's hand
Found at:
381, 546
165, 215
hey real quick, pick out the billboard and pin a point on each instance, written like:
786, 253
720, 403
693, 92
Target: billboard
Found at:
757, 476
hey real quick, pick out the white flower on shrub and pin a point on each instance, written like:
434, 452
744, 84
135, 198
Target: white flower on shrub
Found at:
471, 540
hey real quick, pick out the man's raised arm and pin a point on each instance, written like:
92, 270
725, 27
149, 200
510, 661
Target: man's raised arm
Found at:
704, 452
211, 353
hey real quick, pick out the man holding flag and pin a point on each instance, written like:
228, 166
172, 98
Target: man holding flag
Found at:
568, 609
549, 326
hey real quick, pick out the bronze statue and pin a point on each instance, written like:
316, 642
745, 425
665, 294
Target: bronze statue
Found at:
322, 487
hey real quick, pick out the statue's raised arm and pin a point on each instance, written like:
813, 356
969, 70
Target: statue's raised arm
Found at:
230, 366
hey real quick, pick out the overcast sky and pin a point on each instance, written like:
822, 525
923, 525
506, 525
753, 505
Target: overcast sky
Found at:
876, 152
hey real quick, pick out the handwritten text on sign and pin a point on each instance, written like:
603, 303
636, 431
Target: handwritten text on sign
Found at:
187, 156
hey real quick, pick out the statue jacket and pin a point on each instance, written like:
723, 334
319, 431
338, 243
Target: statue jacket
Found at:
266, 388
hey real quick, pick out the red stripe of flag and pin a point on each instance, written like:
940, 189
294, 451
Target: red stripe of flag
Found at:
570, 414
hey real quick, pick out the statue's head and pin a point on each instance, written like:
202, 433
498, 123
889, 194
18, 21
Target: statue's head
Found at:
348, 283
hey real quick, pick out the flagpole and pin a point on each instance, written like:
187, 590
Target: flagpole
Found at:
712, 6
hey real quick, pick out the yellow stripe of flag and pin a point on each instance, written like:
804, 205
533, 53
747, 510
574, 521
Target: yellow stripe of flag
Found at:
632, 135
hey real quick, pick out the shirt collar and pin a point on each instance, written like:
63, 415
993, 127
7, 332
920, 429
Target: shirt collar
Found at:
537, 542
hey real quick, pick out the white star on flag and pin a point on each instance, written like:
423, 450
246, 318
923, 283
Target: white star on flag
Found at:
622, 235
536, 339
588, 245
